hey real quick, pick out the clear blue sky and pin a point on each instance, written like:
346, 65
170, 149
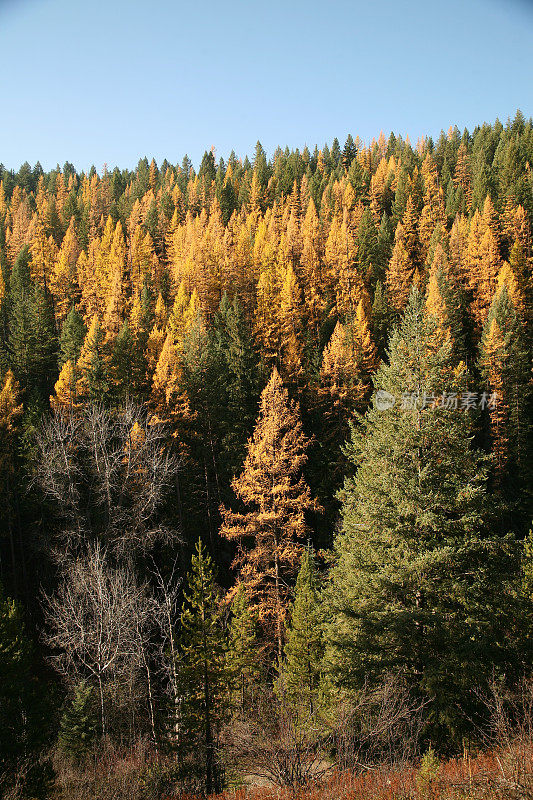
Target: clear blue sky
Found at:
94, 81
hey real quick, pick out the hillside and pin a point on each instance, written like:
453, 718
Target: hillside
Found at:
265, 466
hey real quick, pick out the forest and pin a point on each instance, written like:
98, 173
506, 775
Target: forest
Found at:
265, 473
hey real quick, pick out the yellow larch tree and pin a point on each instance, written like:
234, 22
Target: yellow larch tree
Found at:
490, 266
483, 262
507, 278
433, 210
64, 279
142, 261
177, 317
439, 298
266, 321
290, 328
168, 400
311, 261
65, 395
269, 533
505, 367
340, 259
43, 251
241, 275
85, 270
115, 306
377, 190
348, 362
154, 345
458, 247
290, 245
403, 270
19, 232
493, 362
10, 412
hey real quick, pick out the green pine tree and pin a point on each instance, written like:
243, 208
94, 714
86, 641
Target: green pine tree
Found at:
25, 708
202, 670
32, 342
73, 333
237, 369
93, 364
21, 342
420, 582
367, 248
45, 352
79, 723
242, 660
300, 674
122, 359
380, 319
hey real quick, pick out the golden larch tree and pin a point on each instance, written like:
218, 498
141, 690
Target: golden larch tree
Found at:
272, 487
168, 400
348, 362
64, 278
311, 260
290, 327
65, 395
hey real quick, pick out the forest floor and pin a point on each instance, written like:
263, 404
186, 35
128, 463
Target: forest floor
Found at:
498, 775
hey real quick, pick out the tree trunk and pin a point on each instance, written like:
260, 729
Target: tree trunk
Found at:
102, 712
278, 608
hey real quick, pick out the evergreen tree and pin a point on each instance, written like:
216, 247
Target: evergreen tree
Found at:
21, 329
237, 379
381, 317
243, 661
300, 675
349, 152
32, 336
93, 381
79, 723
202, 670
73, 332
24, 714
416, 552
121, 364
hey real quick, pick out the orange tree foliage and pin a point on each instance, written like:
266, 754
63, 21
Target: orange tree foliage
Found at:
272, 487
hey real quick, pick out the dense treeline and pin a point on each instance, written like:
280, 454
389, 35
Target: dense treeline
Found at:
264, 447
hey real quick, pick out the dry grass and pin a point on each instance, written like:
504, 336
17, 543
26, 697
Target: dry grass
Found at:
499, 775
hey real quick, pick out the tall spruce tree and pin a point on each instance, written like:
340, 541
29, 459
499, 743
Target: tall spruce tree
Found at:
25, 709
420, 582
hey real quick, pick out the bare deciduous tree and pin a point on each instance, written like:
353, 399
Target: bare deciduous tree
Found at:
96, 622
381, 724
167, 612
109, 474
276, 745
